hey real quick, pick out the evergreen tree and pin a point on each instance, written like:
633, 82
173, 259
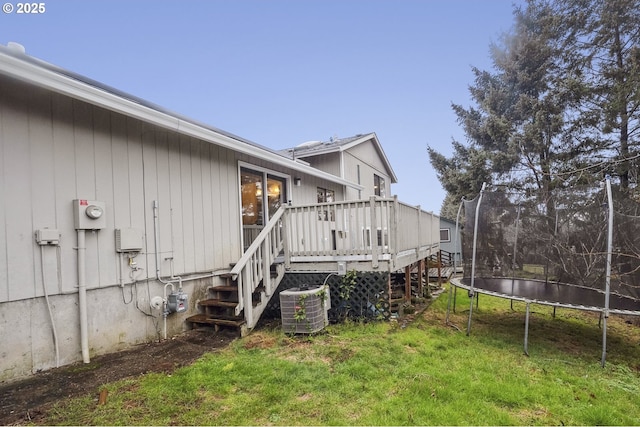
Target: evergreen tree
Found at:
561, 105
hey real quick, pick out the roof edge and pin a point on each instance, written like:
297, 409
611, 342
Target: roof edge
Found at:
40, 73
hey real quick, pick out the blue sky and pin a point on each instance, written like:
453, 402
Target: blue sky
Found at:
282, 72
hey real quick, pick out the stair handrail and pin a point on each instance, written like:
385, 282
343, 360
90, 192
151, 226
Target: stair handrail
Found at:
258, 241
246, 280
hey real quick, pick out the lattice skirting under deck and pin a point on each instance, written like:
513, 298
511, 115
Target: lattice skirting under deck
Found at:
369, 299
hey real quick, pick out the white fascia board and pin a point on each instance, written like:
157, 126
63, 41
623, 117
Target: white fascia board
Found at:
58, 83
62, 84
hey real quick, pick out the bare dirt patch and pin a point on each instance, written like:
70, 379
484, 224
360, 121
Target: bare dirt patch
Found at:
259, 341
29, 400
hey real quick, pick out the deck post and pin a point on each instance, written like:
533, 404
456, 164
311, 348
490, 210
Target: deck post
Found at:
374, 232
394, 230
266, 265
407, 283
419, 212
285, 239
439, 268
389, 288
420, 273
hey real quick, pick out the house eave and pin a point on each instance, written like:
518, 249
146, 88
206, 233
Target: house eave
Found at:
342, 148
33, 71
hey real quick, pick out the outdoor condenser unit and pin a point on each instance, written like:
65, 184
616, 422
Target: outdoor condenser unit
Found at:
305, 309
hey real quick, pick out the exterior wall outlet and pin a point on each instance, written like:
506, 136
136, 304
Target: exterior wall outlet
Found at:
342, 268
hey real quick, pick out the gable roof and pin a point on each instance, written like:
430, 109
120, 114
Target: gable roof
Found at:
315, 148
15, 63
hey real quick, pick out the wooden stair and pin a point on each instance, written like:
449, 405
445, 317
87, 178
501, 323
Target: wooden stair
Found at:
249, 284
219, 309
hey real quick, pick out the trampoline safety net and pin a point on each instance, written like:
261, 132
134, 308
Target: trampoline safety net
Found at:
562, 238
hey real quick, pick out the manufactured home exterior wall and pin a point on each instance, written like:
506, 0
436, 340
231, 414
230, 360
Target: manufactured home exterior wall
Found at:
357, 164
329, 162
368, 154
453, 245
56, 149
53, 150
368, 168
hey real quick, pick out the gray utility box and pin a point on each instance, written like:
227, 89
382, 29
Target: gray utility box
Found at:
305, 309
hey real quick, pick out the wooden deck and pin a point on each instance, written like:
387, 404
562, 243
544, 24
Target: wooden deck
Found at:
377, 234
371, 235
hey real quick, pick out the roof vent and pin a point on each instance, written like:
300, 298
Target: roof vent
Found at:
16, 48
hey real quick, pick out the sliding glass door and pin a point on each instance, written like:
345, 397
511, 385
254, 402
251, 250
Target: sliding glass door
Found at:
262, 193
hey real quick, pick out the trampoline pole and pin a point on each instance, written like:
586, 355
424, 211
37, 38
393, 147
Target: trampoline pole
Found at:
446, 320
455, 264
608, 272
473, 258
515, 251
526, 331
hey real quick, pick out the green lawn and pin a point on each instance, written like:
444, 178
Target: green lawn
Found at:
424, 373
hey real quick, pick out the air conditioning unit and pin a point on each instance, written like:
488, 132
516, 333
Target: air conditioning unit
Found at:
305, 309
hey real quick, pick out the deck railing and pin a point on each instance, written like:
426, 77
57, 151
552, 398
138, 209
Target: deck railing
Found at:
370, 230
253, 269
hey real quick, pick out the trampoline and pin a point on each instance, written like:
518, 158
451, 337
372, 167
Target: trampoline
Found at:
554, 294
572, 249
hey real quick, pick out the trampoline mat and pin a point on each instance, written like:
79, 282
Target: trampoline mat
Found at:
550, 293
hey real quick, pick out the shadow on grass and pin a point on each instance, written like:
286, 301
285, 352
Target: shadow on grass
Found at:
571, 333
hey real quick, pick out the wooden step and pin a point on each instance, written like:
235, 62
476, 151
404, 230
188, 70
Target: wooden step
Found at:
224, 288
217, 303
203, 319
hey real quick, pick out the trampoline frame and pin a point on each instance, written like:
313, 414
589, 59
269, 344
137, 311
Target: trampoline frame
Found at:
474, 291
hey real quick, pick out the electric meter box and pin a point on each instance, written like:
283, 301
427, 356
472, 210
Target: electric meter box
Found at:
89, 215
129, 240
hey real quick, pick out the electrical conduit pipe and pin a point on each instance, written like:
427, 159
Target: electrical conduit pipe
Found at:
156, 239
82, 296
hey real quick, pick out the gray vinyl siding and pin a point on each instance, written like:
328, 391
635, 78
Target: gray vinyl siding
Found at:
351, 166
367, 153
326, 162
454, 244
54, 150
